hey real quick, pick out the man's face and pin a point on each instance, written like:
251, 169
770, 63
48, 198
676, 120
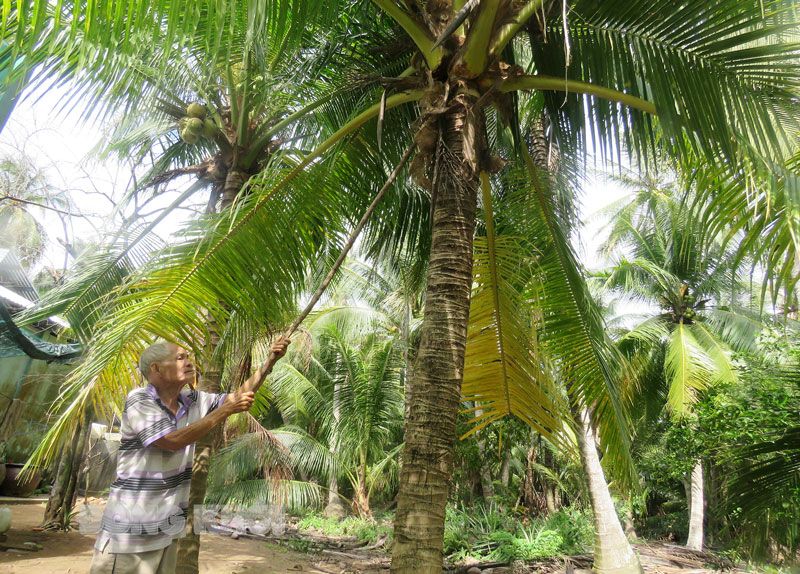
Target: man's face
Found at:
177, 369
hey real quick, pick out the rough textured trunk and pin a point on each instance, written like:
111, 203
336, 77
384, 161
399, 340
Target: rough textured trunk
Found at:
430, 431
696, 508
613, 553
57, 514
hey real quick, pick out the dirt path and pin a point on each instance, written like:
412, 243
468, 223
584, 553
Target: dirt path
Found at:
71, 552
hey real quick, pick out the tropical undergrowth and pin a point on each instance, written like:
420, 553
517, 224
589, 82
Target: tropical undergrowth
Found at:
490, 531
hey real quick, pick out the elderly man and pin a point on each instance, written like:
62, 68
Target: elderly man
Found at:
146, 510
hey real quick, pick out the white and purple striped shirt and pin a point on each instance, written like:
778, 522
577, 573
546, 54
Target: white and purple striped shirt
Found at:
147, 503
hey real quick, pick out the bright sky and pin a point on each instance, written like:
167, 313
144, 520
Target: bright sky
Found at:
63, 144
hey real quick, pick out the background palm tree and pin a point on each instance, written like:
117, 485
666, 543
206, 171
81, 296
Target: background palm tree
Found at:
667, 259
350, 394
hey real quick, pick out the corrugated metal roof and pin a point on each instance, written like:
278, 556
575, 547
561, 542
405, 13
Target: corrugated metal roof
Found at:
16, 341
14, 277
17, 290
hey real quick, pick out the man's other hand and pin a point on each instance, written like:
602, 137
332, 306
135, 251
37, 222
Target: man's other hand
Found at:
239, 402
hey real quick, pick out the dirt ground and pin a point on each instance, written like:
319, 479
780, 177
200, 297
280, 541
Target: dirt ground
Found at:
71, 552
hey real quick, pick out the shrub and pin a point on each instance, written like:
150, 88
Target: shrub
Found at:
490, 532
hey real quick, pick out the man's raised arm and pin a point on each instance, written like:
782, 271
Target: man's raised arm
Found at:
176, 440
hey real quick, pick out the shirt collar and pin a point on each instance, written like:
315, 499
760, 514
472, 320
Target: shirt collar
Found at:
183, 399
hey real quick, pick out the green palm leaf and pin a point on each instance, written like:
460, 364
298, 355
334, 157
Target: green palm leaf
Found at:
722, 75
688, 368
572, 334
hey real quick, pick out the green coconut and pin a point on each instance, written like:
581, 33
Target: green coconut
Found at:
194, 125
189, 136
209, 128
196, 110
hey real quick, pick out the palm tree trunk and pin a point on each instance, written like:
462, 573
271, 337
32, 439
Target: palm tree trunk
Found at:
430, 431
487, 488
551, 496
613, 553
505, 468
696, 508
361, 497
627, 521
62, 496
189, 545
334, 508
530, 494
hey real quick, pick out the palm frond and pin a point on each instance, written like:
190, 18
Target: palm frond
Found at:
721, 75
738, 327
573, 335
688, 369
504, 371
770, 468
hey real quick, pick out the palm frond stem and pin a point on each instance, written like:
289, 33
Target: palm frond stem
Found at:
462, 14
415, 30
36, 314
255, 148
486, 191
551, 83
352, 239
263, 370
507, 32
476, 52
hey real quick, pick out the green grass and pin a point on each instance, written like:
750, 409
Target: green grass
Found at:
483, 532
365, 530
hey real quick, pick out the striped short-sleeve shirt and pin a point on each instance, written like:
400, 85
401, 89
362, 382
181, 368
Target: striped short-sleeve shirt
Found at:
147, 503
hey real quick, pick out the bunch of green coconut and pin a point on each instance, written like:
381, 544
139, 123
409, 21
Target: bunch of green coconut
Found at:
195, 124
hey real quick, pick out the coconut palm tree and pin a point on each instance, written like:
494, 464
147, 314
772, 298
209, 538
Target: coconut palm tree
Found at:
217, 121
669, 260
699, 79
352, 396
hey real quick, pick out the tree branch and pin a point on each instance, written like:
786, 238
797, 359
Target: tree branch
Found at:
43, 206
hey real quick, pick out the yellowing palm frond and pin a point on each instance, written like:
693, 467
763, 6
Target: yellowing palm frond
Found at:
504, 370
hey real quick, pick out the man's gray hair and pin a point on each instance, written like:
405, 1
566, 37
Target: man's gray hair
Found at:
159, 351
